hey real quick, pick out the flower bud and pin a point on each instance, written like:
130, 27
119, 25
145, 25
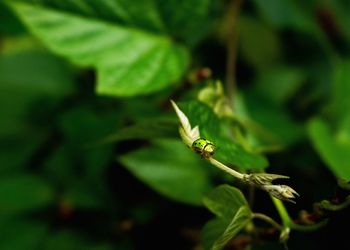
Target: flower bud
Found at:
282, 192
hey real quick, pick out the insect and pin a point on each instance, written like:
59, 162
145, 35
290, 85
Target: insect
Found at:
204, 147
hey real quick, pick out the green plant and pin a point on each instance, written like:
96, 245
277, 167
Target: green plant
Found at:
89, 137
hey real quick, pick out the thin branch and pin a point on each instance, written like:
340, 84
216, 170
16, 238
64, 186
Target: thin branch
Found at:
268, 220
231, 45
225, 168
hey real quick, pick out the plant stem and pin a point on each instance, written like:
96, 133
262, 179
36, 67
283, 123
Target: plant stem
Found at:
232, 34
288, 222
268, 220
225, 168
282, 211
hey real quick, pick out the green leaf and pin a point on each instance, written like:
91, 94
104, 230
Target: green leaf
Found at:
147, 129
82, 195
218, 232
27, 78
212, 129
335, 153
200, 114
286, 80
341, 90
129, 59
274, 125
224, 201
24, 193
22, 234
284, 14
9, 24
261, 52
229, 204
70, 240
234, 154
171, 169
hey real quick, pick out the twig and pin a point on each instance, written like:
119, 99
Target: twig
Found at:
268, 220
231, 44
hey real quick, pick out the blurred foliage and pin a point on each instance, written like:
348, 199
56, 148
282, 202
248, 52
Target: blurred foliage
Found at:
90, 156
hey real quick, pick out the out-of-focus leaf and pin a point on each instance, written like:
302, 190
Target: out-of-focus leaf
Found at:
70, 240
171, 169
29, 78
9, 24
218, 232
261, 52
59, 167
130, 50
224, 201
335, 153
341, 99
82, 195
280, 84
24, 193
337, 11
212, 129
15, 152
148, 129
82, 126
284, 14
21, 234
277, 127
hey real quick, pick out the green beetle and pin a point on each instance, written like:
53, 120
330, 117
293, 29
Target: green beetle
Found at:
204, 147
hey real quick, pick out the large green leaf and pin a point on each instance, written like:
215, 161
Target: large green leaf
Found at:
224, 201
24, 193
171, 169
217, 232
22, 234
212, 129
334, 152
233, 213
129, 44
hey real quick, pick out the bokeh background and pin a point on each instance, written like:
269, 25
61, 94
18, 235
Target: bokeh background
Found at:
82, 165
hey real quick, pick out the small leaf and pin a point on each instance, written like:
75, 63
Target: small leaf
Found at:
171, 169
218, 232
336, 154
24, 193
224, 201
234, 154
211, 128
201, 115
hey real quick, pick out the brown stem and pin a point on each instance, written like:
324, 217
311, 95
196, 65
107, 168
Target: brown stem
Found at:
232, 34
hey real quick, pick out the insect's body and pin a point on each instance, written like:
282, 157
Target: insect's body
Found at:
204, 147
